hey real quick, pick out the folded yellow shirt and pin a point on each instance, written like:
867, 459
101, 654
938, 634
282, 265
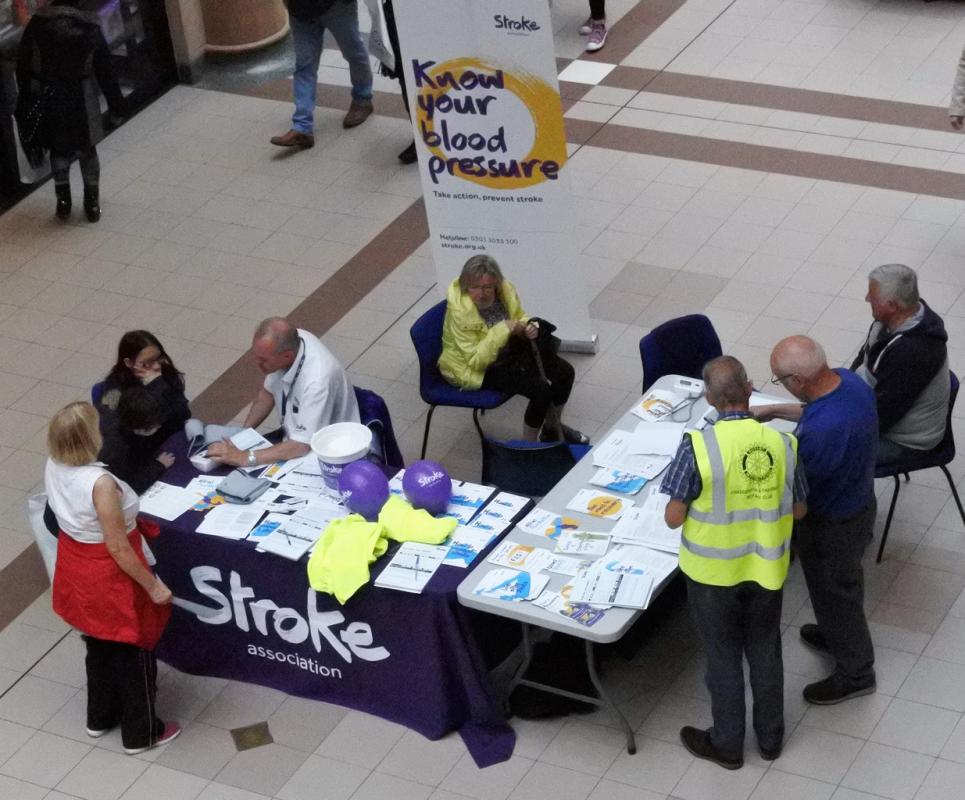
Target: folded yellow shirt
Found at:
340, 563
404, 523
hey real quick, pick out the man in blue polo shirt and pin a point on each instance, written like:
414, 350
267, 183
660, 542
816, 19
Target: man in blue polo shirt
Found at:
838, 439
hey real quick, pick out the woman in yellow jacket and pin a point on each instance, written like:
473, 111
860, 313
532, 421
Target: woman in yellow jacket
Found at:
483, 311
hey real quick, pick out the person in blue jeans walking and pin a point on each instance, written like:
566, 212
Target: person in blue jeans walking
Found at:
309, 21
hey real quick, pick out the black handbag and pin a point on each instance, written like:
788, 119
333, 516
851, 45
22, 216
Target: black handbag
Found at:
522, 354
30, 112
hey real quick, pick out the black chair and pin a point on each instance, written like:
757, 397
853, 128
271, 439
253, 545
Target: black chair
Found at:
679, 346
527, 468
937, 457
426, 334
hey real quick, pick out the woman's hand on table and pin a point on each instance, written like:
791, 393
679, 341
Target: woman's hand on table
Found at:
166, 459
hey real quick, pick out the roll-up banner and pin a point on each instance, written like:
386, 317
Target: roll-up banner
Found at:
485, 107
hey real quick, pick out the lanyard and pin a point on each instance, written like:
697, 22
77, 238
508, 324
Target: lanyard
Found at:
298, 371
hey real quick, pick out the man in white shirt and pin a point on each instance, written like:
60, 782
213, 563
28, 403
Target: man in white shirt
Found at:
304, 381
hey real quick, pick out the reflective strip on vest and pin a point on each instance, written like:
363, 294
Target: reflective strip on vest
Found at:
719, 515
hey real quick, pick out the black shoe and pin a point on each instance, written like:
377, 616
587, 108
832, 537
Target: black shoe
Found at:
409, 155
811, 636
836, 689
698, 743
565, 433
63, 201
92, 203
770, 754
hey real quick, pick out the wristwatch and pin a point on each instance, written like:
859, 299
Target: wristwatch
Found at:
252, 461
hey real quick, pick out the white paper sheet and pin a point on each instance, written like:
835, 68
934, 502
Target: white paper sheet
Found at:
645, 525
520, 556
623, 450
412, 566
583, 543
164, 501
231, 521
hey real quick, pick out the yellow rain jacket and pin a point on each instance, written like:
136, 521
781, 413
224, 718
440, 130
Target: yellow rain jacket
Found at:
468, 346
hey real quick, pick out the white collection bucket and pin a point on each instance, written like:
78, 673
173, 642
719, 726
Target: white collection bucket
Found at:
337, 445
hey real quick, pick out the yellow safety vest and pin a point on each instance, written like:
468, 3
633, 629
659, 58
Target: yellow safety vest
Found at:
739, 527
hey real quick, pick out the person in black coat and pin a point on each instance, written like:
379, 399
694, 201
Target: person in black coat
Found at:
142, 364
133, 438
62, 49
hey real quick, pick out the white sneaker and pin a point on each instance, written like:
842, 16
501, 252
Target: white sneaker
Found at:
586, 27
171, 731
597, 37
96, 734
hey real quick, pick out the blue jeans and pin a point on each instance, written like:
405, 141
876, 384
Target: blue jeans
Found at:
342, 19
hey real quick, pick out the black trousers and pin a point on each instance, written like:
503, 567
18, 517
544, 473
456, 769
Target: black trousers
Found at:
598, 9
121, 689
830, 553
90, 166
734, 621
524, 378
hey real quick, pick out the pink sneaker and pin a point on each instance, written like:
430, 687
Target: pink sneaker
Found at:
171, 731
586, 27
597, 36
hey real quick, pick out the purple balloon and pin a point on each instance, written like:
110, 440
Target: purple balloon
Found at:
364, 488
427, 485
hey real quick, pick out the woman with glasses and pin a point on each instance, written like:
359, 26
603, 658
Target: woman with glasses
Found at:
489, 343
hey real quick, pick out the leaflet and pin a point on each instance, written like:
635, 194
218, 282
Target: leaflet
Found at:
505, 506
566, 566
599, 504
511, 585
520, 556
465, 544
559, 603
618, 480
633, 452
644, 525
657, 405
583, 543
412, 566
231, 521
205, 489
164, 501
614, 582
285, 536
467, 498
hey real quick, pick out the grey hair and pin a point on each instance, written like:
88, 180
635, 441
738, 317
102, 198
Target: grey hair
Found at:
280, 332
726, 380
478, 267
897, 283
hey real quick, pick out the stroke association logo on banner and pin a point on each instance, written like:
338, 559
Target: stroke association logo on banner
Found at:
488, 125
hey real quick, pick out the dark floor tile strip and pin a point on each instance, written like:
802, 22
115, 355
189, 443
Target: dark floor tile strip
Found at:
787, 162
232, 390
22, 581
626, 34
386, 104
783, 98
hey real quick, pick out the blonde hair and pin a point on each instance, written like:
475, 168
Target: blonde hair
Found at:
73, 436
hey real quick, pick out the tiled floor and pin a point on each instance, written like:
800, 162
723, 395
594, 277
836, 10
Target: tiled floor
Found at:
787, 147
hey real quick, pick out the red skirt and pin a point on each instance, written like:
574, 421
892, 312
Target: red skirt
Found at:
94, 595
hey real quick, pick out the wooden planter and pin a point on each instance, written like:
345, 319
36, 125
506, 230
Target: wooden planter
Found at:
234, 26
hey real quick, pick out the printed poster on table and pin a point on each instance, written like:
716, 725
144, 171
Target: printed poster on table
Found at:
488, 125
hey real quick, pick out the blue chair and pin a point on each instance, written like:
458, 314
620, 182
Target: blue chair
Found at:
527, 468
96, 393
374, 413
938, 456
435, 390
679, 346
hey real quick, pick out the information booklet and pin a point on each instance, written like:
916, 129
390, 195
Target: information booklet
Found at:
541, 522
412, 566
511, 585
657, 404
285, 535
583, 543
465, 545
164, 501
467, 498
645, 525
520, 556
613, 582
618, 480
599, 504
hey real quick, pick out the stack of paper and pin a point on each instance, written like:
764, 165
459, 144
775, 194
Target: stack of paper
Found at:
511, 585
465, 545
303, 480
289, 536
411, 567
625, 578
645, 525
164, 501
467, 498
583, 543
230, 521
559, 603
645, 453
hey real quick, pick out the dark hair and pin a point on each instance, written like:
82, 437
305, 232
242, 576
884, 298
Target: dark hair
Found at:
132, 343
138, 409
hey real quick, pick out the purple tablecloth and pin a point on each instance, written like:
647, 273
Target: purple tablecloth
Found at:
408, 658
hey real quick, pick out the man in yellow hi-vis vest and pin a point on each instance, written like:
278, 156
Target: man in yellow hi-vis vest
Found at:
736, 490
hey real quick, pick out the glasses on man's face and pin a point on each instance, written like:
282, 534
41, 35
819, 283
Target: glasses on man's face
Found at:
779, 379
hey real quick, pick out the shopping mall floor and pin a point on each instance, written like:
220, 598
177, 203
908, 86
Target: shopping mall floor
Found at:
751, 160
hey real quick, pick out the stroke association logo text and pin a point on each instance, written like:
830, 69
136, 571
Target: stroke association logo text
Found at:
521, 25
